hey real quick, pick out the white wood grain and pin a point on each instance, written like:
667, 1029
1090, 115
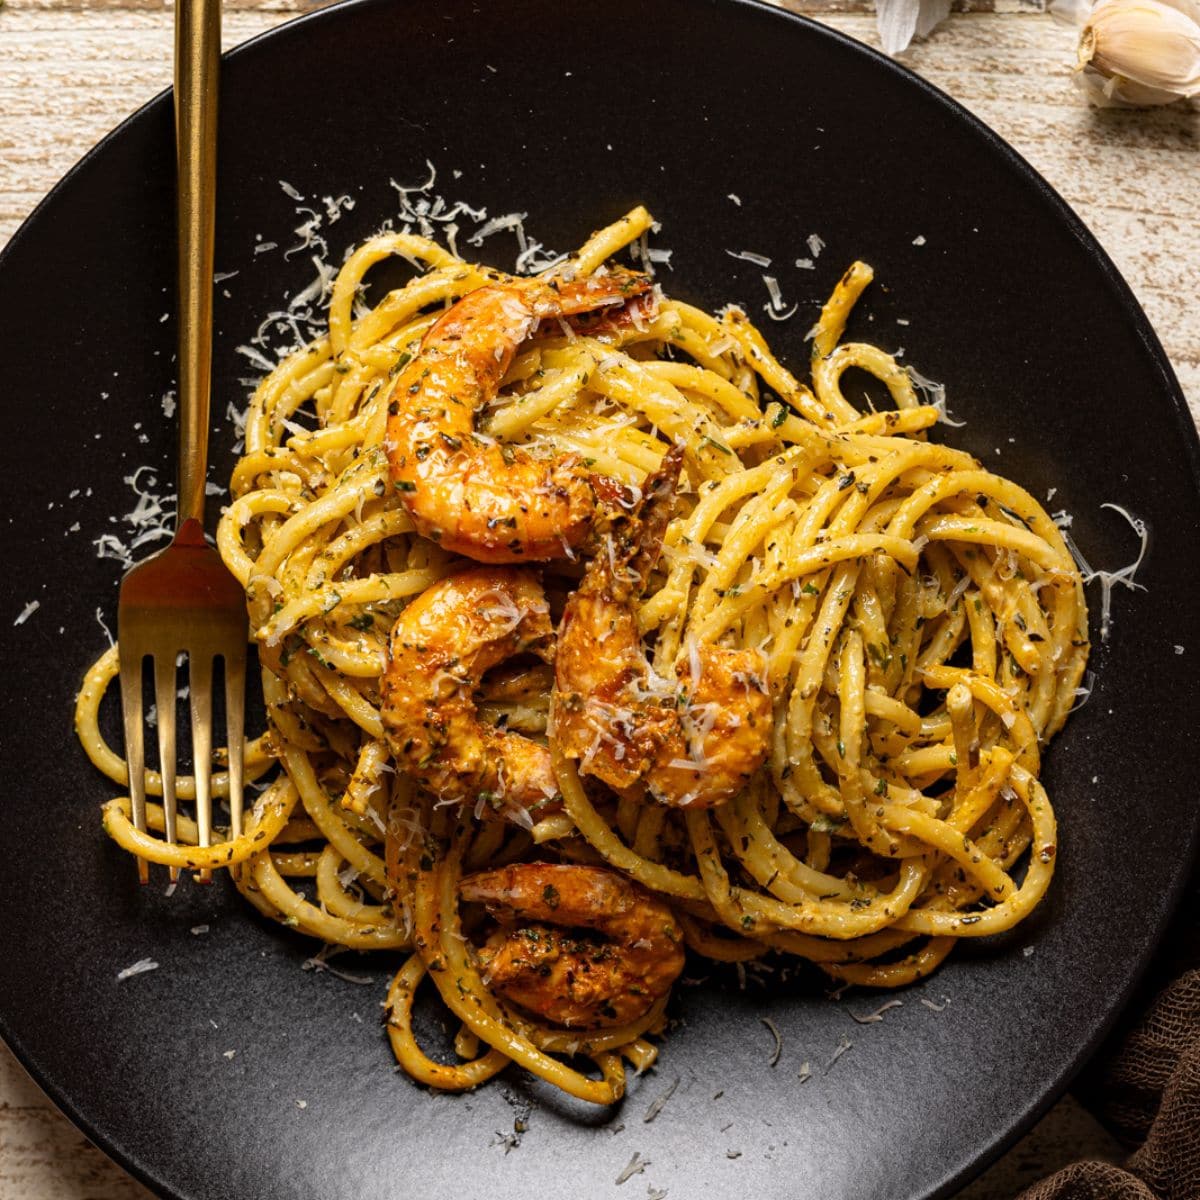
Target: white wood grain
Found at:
43, 1156
68, 76
72, 69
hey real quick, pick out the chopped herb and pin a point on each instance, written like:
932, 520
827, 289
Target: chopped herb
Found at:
825, 824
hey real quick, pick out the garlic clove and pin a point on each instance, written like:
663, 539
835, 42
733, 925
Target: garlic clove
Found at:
1107, 92
1140, 52
1189, 8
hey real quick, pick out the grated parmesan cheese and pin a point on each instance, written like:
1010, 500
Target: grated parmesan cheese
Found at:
1084, 694
107, 632
759, 260
844, 1044
138, 968
635, 1166
27, 612
873, 1018
774, 307
934, 394
1123, 575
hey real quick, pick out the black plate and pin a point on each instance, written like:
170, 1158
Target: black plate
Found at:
572, 113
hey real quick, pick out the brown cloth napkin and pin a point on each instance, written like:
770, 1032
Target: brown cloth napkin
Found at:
1145, 1085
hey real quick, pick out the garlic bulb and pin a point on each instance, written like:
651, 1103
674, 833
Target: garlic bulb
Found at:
1136, 53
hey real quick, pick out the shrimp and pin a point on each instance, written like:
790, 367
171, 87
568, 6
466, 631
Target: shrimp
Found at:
440, 646
493, 503
625, 952
690, 742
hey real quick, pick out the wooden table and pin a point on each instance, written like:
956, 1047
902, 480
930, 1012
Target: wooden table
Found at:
71, 69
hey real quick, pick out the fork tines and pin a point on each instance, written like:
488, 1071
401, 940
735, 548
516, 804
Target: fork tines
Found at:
183, 601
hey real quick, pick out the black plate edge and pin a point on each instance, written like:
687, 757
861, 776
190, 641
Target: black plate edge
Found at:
1190, 439
1120, 291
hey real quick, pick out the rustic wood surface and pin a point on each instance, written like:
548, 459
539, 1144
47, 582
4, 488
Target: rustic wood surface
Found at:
71, 69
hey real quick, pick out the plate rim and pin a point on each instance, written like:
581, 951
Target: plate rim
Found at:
992, 1146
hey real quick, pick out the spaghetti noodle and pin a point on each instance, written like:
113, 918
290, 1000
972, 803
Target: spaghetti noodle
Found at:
920, 623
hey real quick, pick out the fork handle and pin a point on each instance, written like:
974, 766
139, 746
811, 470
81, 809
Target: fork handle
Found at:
197, 58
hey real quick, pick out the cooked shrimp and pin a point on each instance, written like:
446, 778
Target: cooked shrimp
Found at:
493, 503
440, 646
691, 742
625, 952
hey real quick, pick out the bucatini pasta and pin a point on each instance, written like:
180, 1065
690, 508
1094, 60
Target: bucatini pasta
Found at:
796, 705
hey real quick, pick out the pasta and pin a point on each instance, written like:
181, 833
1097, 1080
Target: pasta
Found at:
920, 621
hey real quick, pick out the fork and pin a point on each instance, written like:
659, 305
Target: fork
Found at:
183, 600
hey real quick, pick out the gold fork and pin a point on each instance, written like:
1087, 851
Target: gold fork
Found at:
183, 600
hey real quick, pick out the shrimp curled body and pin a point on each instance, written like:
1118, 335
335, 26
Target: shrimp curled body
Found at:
689, 742
440, 647
580, 946
494, 503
